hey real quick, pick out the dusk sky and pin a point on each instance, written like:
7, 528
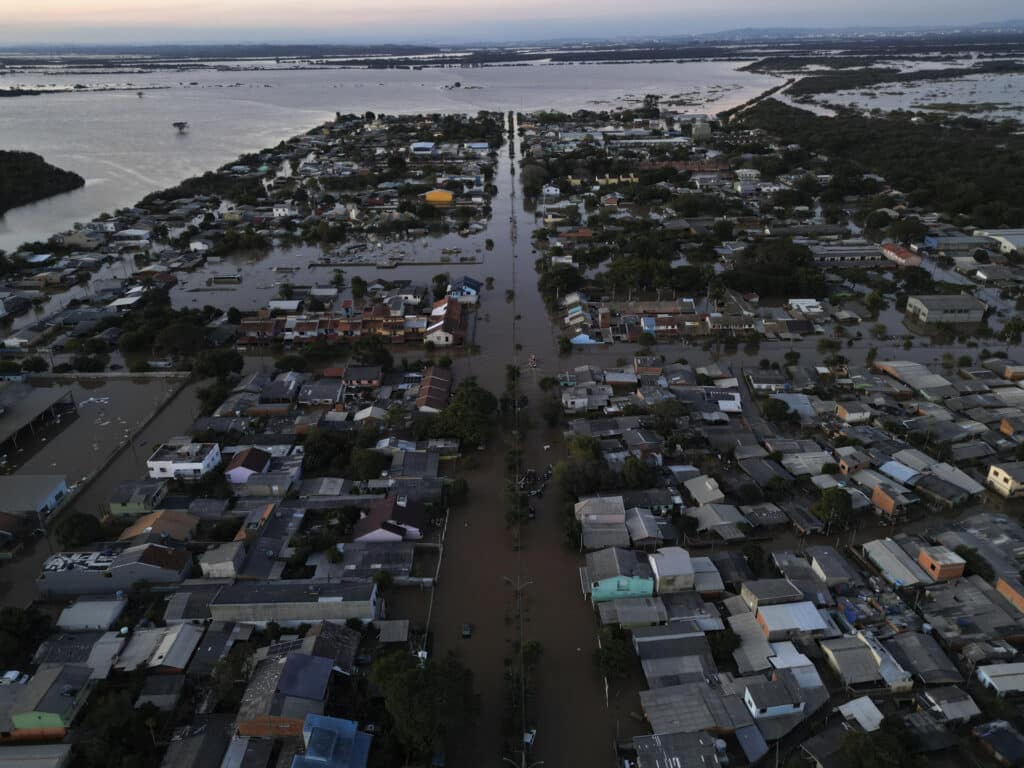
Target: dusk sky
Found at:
175, 21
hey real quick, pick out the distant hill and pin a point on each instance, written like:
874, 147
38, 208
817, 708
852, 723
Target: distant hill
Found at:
26, 178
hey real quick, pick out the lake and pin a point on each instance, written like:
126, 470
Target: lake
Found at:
125, 147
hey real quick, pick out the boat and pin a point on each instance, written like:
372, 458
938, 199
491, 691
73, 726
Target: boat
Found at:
452, 251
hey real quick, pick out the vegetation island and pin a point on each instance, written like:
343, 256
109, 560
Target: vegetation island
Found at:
25, 178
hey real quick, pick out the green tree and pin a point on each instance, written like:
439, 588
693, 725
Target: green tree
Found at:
427, 703
77, 530
217, 363
614, 655
358, 287
833, 506
21, 632
776, 410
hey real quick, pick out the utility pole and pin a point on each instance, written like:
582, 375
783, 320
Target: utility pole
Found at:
518, 585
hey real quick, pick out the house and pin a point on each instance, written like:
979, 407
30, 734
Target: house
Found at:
1007, 479
1004, 679
586, 397
673, 570
281, 692
704, 490
43, 708
96, 573
464, 288
860, 660
603, 522
245, 464
614, 573
161, 526
853, 412
773, 698
951, 704
136, 498
447, 325
88, 615
1004, 742
331, 742
223, 561
32, 497
439, 197
291, 603
362, 377
435, 390
941, 563
392, 519
183, 461
783, 622
945, 308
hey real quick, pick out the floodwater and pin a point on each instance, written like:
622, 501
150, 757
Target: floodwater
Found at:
995, 96
125, 147
480, 567
108, 409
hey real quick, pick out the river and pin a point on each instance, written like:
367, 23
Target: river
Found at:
125, 147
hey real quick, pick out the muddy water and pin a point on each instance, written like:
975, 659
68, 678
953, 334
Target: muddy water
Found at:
82, 447
574, 726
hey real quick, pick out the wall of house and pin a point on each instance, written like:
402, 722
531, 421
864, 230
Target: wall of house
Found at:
622, 586
270, 727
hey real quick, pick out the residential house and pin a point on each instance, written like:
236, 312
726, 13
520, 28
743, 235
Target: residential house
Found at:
331, 742
93, 573
673, 570
392, 519
614, 573
161, 527
183, 461
136, 498
43, 708
245, 464
292, 603
1007, 479
281, 692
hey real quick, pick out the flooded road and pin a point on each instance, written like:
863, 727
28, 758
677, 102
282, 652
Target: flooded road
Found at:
83, 447
481, 567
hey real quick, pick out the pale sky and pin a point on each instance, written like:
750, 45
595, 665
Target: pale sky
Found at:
178, 21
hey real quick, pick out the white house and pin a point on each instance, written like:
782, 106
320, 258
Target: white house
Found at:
1004, 679
200, 246
284, 211
184, 461
673, 570
223, 561
245, 464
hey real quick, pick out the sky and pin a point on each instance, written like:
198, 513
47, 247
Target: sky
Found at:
456, 21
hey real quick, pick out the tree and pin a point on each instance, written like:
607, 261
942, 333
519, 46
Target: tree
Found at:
427, 702
776, 410
217, 363
358, 287
975, 563
338, 279
383, 580
723, 644
646, 339
77, 530
888, 747
613, 656
833, 506
21, 632
636, 474
34, 364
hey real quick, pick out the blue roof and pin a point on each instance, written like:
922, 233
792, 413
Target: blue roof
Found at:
332, 743
305, 677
